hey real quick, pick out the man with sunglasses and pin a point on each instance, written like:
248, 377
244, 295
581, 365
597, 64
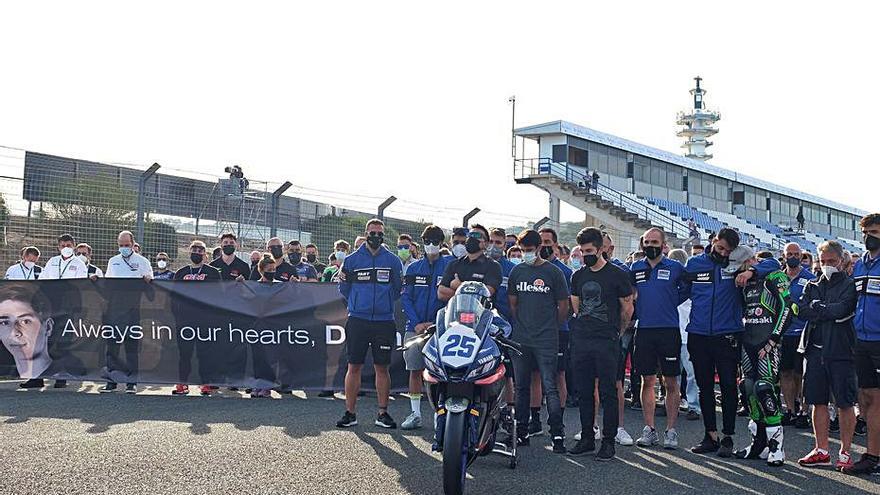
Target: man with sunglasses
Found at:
420, 304
791, 362
284, 271
474, 266
405, 250
459, 238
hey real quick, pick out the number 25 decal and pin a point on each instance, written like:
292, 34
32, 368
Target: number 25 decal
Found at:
459, 345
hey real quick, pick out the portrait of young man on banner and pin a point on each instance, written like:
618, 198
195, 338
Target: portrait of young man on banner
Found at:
25, 327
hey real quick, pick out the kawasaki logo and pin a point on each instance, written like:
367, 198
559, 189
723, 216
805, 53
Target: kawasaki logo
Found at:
536, 286
759, 321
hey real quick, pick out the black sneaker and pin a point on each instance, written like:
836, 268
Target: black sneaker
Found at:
692, 415
32, 383
606, 451
865, 465
726, 448
522, 439
558, 445
788, 418
861, 427
108, 388
348, 419
802, 422
60, 384
636, 405
385, 421
706, 446
325, 394
535, 427
834, 425
130, 388
585, 445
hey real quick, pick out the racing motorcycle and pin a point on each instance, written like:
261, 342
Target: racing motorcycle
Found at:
465, 378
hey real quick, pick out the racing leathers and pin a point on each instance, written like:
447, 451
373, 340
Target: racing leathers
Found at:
768, 311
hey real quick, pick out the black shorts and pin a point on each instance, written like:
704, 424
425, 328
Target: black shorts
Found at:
867, 361
789, 357
361, 335
657, 348
562, 355
824, 380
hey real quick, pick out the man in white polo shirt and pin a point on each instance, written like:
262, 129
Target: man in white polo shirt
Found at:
126, 264
66, 265
26, 268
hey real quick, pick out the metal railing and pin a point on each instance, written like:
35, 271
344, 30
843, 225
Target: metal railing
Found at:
527, 167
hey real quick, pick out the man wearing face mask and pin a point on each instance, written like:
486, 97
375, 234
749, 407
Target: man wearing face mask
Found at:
27, 268
84, 253
370, 283
538, 295
495, 251
313, 258
509, 241
162, 272
420, 304
304, 272
474, 266
608, 252
340, 251
126, 264
867, 349
66, 265
404, 250
284, 271
256, 256
791, 362
230, 267
829, 304
459, 238
661, 286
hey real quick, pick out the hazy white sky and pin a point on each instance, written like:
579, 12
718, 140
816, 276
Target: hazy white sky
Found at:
380, 98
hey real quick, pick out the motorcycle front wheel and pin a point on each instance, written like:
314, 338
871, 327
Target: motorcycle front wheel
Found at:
454, 454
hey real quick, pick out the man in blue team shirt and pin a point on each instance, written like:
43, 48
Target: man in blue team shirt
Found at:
791, 362
661, 287
867, 348
370, 282
420, 304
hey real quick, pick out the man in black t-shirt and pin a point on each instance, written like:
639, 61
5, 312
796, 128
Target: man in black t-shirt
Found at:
538, 296
602, 298
472, 266
283, 269
198, 270
230, 266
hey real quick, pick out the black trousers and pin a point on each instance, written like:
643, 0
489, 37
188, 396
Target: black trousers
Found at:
711, 354
593, 359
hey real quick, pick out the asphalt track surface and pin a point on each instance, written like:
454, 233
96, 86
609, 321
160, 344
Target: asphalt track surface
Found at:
76, 441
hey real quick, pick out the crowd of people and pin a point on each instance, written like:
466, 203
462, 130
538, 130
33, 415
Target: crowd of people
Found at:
792, 338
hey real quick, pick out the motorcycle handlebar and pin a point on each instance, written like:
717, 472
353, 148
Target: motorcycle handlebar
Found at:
511, 344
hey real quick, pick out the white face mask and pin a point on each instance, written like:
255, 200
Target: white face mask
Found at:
67, 252
828, 271
529, 258
459, 250
162, 264
431, 249
83, 258
29, 265
340, 256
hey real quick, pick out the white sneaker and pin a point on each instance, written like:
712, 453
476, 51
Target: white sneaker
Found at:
577, 437
597, 433
649, 437
670, 440
412, 422
623, 437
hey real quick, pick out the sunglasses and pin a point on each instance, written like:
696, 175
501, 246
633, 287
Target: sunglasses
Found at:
476, 235
402, 246
376, 234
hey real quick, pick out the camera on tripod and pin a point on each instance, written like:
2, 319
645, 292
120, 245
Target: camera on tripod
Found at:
236, 176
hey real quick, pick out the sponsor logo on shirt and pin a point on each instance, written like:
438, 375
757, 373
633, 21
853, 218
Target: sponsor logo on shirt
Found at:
478, 275
766, 320
663, 274
803, 282
704, 277
641, 276
421, 280
536, 286
194, 276
383, 276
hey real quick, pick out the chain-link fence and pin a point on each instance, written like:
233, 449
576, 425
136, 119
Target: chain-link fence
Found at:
43, 196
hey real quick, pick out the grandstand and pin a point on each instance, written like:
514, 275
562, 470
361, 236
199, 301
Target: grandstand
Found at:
639, 186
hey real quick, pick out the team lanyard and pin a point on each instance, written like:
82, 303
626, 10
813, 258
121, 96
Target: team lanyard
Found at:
200, 270
27, 274
60, 271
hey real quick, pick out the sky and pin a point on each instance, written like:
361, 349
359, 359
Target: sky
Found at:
371, 99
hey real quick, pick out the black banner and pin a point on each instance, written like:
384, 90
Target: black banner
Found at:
242, 334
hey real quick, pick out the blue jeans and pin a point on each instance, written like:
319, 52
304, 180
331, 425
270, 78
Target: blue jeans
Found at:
692, 391
544, 360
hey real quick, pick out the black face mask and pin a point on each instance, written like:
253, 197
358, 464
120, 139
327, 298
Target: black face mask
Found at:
793, 262
871, 243
228, 250
375, 241
719, 260
590, 260
604, 257
652, 252
546, 252
311, 258
269, 275
196, 257
294, 257
277, 251
472, 245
